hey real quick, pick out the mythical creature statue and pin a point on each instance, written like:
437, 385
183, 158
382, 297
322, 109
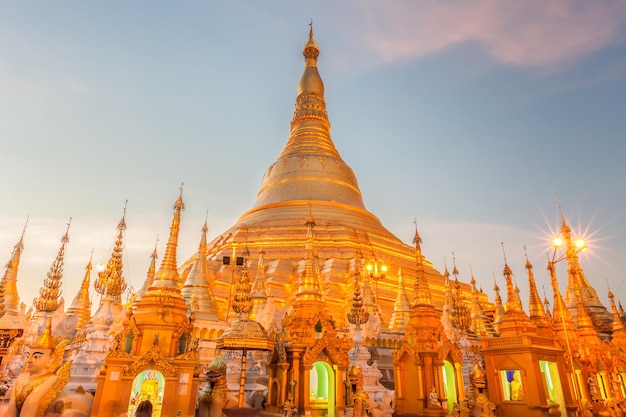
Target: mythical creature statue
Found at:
215, 396
358, 399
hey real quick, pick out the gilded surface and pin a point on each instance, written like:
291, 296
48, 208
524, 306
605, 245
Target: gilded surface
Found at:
152, 357
63, 374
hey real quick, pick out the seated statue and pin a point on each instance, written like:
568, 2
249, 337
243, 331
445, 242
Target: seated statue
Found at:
358, 399
215, 396
433, 399
37, 387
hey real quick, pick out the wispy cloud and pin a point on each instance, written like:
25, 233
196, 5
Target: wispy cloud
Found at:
532, 33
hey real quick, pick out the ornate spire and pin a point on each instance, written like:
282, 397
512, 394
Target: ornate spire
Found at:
243, 298
11, 297
421, 292
515, 322
461, 315
309, 289
498, 315
358, 314
110, 281
81, 306
401, 308
259, 290
48, 300
167, 275
480, 324
619, 328
150, 273
197, 290
535, 307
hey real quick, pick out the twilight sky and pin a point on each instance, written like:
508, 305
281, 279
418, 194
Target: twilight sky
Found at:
471, 116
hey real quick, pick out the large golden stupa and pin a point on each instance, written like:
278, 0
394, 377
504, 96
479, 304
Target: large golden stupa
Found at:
310, 177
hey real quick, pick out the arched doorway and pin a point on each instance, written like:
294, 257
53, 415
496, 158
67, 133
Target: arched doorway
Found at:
322, 386
147, 385
449, 385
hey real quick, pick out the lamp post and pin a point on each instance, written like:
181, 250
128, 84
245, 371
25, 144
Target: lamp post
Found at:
571, 250
376, 270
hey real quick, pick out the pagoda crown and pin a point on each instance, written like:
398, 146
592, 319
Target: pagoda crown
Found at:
309, 167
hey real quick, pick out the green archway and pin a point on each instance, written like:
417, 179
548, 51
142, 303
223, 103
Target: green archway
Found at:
449, 385
323, 391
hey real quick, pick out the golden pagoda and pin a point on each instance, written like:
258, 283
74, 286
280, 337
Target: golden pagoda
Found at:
309, 174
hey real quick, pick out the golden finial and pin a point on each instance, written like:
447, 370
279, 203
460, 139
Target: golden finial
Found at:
421, 290
48, 300
536, 308
455, 272
167, 275
110, 280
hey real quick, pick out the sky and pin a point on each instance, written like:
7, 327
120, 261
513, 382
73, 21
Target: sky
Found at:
477, 118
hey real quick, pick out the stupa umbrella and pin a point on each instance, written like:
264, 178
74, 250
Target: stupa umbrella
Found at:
243, 334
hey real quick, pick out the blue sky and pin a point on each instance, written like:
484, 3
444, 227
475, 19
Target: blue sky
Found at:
471, 116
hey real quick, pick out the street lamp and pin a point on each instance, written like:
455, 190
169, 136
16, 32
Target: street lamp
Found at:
376, 270
571, 250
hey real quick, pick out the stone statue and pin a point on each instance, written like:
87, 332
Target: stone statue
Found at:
215, 396
594, 392
36, 388
433, 399
358, 399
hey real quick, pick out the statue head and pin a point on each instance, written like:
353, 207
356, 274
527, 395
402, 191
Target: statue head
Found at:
44, 355
216, 371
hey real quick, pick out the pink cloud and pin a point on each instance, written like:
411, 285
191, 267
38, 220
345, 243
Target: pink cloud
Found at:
533, 33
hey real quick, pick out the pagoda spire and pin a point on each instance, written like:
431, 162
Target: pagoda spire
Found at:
167, 275
110, 281
196, 289
535, 306
150, 273
421, 291
498, 315
259, 289
515, 321
81, 305
619, 328
309, 168
11, 297
401, 307
48, 300
479, 322
309, 289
